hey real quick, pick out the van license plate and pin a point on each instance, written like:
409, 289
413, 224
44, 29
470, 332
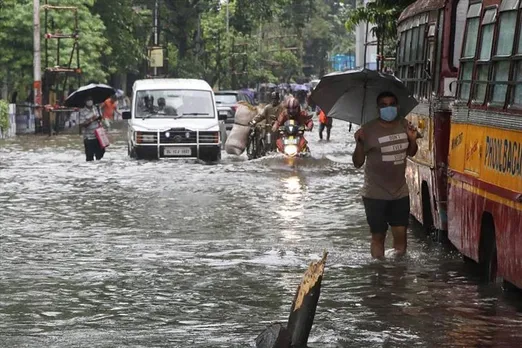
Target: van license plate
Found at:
177, 151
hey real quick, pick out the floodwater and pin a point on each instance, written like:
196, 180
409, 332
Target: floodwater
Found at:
124, 253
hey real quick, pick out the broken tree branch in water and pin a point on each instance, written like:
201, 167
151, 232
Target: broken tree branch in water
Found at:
302, 313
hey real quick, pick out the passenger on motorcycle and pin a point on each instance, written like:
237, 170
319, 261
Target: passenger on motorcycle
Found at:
292, 110
265, 120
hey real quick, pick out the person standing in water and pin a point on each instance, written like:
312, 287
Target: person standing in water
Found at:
90, 119
384, 145
324, 122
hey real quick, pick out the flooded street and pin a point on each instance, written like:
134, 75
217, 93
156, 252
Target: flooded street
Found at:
181, 254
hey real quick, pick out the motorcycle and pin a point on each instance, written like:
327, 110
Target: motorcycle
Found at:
293, 143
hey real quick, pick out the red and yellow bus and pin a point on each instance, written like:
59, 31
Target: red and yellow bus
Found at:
426, 63
473, 133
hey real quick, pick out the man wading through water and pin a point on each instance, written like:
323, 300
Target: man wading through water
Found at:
90, 120
384, 144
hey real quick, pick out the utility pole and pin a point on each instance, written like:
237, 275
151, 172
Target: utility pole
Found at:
228, 15
156, 29
37, 84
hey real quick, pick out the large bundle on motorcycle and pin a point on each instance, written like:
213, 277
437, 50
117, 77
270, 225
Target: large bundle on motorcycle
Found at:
238, 138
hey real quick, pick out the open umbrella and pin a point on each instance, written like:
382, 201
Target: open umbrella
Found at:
352, 96
98, 92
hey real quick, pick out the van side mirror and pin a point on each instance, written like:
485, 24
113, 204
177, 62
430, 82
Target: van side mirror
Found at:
126, 115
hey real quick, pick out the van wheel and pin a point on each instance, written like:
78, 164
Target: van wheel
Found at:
133, 154
211, 158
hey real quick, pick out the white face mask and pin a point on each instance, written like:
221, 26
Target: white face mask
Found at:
89, 103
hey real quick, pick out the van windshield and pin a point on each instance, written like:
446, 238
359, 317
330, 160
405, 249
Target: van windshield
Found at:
174, 104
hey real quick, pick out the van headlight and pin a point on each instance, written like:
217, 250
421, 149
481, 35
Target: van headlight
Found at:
291, 150
143, 137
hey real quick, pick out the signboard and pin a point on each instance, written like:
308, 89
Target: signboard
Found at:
156, 57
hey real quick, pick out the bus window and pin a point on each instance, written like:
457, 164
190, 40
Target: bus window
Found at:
486, 45
517, 95
472, 27
414, 46
503, 51
460, 26
468, 51
488, 26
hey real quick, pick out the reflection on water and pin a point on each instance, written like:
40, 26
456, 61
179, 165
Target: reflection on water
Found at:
180, 254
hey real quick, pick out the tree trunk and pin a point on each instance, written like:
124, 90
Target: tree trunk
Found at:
302, 313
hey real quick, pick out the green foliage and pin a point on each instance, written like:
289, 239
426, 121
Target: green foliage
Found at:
4, 115
126, 31
267, 40
16, 40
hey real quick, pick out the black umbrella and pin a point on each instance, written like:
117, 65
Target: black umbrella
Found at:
99, 93
352, 96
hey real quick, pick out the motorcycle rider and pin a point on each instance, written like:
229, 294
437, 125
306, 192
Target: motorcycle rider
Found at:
292, 111
265, 120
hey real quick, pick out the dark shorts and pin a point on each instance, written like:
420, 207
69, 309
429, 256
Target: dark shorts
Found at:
92, 149
382, 213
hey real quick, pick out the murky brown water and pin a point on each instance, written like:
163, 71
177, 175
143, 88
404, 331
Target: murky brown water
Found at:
180, 254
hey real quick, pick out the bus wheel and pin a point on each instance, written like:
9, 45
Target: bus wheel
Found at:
427, 215
488, 250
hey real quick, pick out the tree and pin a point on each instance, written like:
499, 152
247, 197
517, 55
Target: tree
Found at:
126, 32
16, 40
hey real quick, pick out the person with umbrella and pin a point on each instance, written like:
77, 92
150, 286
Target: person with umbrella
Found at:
383, 142
87, 98
89, 120
384, 145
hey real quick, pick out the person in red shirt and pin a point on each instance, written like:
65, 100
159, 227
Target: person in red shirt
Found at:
292, 110
324, 122
110, 106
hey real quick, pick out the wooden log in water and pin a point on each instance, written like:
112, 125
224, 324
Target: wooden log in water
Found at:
302, 313
305, 304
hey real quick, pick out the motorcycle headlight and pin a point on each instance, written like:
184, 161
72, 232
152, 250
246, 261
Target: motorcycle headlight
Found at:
291, 150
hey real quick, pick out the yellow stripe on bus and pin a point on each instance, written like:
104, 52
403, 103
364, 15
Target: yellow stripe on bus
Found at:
488, 195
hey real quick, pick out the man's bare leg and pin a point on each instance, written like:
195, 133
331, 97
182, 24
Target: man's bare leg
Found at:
400, 239
377, 246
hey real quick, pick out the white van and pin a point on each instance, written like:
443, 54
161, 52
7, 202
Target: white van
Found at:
174, 118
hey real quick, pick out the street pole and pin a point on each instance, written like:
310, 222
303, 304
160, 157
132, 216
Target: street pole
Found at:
37, 84
227, 15
156, 35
